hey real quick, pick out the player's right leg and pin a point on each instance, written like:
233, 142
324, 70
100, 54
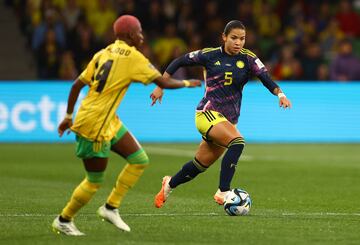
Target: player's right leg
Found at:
125, 145
95, 160
205, 156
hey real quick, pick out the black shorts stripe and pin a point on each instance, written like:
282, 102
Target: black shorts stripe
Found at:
211, 115
207, 117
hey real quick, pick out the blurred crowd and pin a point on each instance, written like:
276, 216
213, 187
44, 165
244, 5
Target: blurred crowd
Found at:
297, 40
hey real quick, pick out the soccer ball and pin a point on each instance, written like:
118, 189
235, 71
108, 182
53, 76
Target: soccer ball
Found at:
237, 202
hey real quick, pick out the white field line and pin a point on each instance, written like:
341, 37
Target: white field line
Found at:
317, 214
181, 152
191, 153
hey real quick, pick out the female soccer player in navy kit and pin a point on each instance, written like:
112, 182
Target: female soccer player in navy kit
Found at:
228, 68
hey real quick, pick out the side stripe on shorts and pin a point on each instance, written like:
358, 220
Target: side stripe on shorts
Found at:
209, 116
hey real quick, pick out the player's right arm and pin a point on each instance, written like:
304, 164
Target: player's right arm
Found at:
66, 123
189, 59
83, 80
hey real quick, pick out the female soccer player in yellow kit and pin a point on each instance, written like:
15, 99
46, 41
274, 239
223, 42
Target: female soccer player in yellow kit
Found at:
98, 129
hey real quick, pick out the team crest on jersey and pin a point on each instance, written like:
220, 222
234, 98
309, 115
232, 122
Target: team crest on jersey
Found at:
240, 64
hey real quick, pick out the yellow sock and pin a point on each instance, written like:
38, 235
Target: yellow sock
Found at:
126, 179
81, 196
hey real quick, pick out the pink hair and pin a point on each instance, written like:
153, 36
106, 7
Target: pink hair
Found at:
125, 24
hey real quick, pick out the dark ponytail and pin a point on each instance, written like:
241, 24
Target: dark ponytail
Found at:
233, 25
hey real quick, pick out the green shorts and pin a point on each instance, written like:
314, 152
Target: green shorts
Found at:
205, 120
88, 149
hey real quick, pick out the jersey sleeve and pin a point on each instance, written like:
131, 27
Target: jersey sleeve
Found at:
258, 69
142, 70
256, 66
196, 57
89, 71
190, 59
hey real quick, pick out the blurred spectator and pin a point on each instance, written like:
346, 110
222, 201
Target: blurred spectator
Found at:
47, 55
267, 22
83, 44
164, 46
311, 61
51, 22
71, 14
287, 68
245, 13
348, 19
323, 73
212, 24
154, 21
101, 19
323, 16
345, 66
330, 37
67, 69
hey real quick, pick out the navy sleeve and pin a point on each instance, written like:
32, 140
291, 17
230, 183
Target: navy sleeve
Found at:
267, 81
259, 70
189, 59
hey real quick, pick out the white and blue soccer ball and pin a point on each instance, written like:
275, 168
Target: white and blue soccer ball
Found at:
237, 202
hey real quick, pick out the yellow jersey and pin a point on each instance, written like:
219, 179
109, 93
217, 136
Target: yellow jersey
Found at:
109, 74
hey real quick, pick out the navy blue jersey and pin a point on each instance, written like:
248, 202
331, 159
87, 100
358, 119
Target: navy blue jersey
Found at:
225, 77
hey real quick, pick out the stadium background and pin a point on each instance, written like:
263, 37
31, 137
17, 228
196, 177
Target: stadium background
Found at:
300, 42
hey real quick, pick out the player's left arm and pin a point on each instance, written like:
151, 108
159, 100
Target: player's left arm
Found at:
259, 69
274, 89
66, 123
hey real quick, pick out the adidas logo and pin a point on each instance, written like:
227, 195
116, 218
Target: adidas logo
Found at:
217, 63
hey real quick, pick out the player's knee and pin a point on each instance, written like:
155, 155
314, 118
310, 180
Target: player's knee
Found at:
139, 157
95, 178
238, 142
199, 165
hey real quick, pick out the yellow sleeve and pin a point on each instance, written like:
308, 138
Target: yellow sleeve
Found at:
142, 70
89, 71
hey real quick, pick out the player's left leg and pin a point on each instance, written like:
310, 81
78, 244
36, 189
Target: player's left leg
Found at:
126, 145
226, 134
95, 158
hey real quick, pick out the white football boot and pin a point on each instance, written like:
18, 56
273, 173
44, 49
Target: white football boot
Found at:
113, 217
67, 228
219, 196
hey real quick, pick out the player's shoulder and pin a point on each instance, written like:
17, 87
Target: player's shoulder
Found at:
207, 53
247, 52
98, 54
211, 51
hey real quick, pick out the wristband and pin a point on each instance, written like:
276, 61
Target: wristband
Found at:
68, 116
280, 95
186, 83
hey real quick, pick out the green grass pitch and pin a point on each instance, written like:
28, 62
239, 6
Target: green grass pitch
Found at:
301, 193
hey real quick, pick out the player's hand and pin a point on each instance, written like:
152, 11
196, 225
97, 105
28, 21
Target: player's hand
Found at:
156, 95
194, 83
284, 102
64, 125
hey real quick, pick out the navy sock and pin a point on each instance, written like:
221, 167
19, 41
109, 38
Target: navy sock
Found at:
189, 171
229, 163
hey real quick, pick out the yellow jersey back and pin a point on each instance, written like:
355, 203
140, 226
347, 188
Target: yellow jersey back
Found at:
109, 74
